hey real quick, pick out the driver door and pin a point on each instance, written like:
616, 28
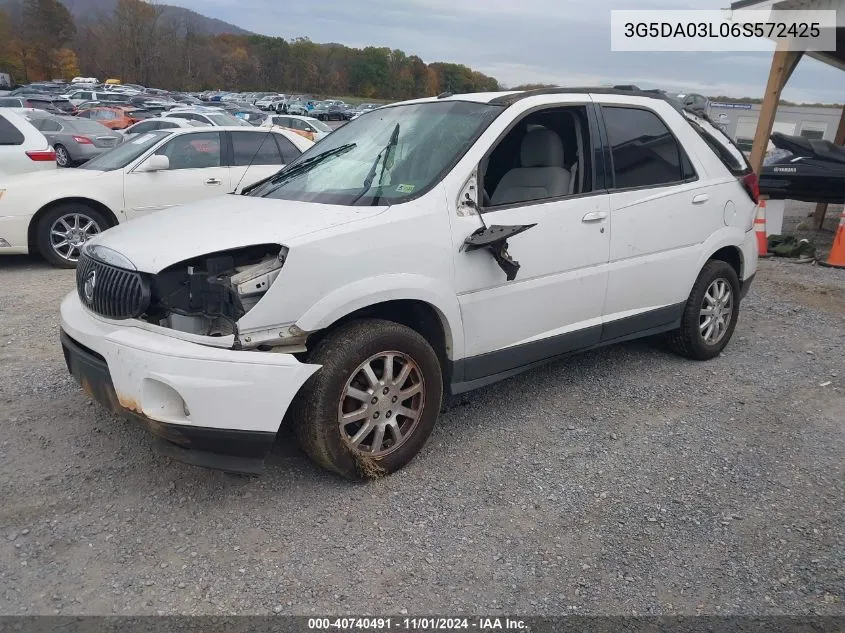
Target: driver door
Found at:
539, 173
196, 172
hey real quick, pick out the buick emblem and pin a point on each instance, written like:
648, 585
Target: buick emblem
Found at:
90, 284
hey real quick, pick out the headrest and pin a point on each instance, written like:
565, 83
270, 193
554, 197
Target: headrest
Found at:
542, 148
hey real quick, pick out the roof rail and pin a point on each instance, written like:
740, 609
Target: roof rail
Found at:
633, 91
511, 98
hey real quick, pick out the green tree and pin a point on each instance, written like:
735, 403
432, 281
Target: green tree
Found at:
46, 26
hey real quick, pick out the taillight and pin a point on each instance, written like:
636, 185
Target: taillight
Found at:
42, 155
83, 140
751, 184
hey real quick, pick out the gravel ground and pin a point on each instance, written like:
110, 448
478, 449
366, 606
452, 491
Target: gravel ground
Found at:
624, 481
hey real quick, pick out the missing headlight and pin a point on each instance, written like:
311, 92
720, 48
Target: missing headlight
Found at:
207, 295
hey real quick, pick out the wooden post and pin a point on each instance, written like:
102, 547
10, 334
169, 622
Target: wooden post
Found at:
784, 62
821, 207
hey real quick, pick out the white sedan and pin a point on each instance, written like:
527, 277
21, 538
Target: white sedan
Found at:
56, 212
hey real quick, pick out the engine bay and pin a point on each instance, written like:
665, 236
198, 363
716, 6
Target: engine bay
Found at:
207, 295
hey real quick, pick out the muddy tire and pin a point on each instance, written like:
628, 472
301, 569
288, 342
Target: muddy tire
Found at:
372, 406
710, 314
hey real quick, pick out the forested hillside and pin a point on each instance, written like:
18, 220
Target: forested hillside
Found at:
138, 43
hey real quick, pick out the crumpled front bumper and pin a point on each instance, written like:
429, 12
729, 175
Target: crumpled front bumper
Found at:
213, 407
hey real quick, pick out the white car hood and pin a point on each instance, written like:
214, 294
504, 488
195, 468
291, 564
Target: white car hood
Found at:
155, 241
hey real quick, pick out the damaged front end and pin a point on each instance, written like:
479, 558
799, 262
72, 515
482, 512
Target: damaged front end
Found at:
208, 295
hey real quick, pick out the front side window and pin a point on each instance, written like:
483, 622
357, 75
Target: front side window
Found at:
255, 149
644, 152
544, 156
193, 151
388, 158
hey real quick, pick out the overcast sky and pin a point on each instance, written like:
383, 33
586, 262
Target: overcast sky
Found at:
520, 41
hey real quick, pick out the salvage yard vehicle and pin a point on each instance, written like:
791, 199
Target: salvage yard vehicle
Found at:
157, 123
309, 127
23, 149
115, 118
55, 213
431, 246
209, 116
74, 140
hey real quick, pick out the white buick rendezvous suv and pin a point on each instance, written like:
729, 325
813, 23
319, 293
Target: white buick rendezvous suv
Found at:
428, 247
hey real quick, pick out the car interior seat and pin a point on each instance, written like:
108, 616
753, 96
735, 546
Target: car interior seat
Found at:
541, 175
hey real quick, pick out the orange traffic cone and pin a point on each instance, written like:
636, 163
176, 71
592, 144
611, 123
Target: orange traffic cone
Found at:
760, 228
836, 259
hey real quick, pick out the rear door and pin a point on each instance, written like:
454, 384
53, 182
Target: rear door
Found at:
663, 207
197, 171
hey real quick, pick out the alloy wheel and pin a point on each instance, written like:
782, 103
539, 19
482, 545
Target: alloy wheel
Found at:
70, 232
381, 404
62, 157
716, 311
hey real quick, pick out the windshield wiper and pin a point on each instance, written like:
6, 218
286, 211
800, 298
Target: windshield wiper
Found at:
382, 157
285, 174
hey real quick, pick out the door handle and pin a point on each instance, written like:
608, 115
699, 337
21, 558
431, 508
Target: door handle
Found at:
700, 198
213, 181
594, 216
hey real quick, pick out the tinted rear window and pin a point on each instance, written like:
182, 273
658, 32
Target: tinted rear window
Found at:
644, 151
9, 134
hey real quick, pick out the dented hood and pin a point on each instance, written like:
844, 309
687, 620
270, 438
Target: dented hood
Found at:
155, 241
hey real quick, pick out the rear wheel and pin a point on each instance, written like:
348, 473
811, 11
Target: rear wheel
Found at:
62, 156
710, 314
64, 229
372, 406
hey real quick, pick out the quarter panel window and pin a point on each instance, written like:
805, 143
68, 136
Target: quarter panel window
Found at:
9, 134
644, 151
290, 152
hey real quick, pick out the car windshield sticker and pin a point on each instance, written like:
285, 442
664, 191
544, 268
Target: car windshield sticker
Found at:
143, 139
405, 188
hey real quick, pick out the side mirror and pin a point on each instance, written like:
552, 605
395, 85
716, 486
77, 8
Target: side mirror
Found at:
156, 162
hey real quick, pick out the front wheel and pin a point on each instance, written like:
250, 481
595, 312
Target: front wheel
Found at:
710, 314
64, 229
372, 406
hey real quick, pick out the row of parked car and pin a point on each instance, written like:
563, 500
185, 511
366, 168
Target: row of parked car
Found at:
72, 121
178, 156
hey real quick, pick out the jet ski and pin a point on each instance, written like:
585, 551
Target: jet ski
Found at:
804, 169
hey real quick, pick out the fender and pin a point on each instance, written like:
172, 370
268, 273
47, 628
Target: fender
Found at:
390, 287
727, 236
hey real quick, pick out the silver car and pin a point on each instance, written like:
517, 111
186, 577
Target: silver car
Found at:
74, 140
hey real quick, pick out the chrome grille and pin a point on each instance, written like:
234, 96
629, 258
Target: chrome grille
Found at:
115, 293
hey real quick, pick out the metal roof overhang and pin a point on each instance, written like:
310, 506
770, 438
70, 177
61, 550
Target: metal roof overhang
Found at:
834, 58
